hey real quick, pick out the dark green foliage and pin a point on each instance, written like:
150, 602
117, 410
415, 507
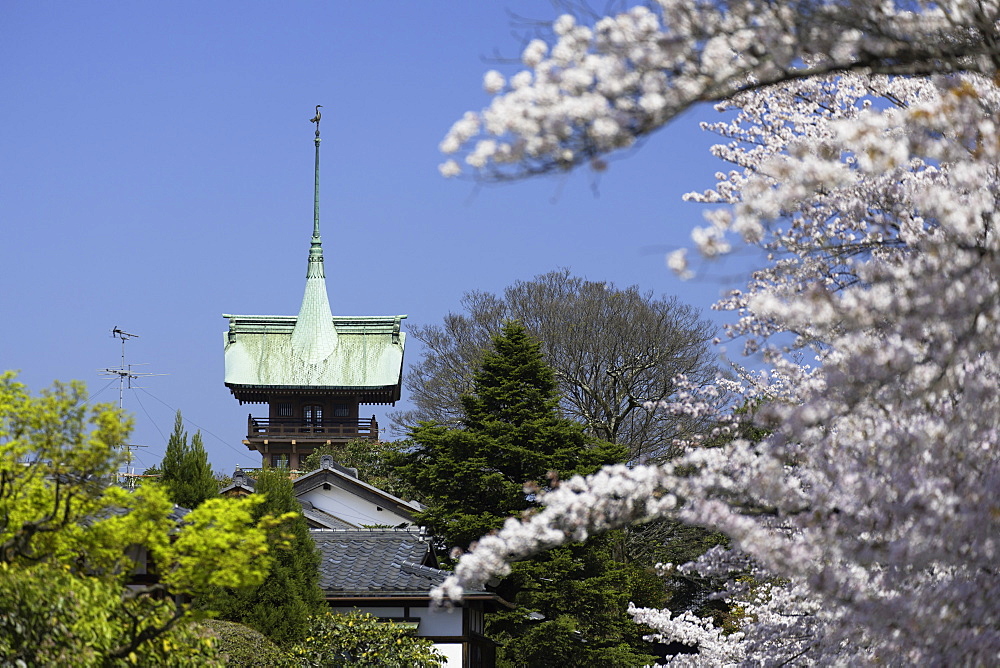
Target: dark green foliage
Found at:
473, 477
280, 607
245, 647
223, 480
372, 459
185, 470
581, 592
150, 474
670, 541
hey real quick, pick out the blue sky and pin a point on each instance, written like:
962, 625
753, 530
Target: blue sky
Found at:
156, 172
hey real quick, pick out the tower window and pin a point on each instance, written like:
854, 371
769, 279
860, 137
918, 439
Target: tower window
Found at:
279, 461
341, 410
284, 410
313, 415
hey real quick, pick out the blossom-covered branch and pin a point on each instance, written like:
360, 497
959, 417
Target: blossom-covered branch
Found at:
599, 88
874, 494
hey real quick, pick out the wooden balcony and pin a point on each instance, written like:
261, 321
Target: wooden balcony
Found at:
327, 429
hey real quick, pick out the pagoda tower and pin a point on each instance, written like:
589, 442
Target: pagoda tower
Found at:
313, 370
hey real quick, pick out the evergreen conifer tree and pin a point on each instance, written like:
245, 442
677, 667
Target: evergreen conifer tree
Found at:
280, 607
186, 472
472, 477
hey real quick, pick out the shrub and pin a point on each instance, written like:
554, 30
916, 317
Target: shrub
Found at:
246, 647
360, 639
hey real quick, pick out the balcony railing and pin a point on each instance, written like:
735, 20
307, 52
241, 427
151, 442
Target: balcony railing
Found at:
316, 430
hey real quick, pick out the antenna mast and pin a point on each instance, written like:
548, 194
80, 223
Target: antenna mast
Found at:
125, 375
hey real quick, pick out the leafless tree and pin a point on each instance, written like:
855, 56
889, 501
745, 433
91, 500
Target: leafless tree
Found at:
613, 349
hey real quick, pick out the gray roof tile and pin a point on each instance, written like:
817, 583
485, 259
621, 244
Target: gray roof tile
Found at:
376, 561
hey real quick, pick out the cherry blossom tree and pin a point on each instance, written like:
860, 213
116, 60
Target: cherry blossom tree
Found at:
600, 88
864, 144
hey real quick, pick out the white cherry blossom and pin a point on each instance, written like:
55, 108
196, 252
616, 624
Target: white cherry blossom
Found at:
865, 149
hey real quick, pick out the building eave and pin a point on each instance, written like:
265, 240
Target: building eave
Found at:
410, 596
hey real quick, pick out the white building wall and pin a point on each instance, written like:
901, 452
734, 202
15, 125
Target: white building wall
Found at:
452, 653
438, 622
350, 508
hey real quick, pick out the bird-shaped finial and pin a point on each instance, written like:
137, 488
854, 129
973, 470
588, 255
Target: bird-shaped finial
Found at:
315, 119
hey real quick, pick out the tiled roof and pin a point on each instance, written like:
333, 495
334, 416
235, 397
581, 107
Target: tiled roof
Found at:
330, 474
324, 519
241, 482
176, 515
377, 561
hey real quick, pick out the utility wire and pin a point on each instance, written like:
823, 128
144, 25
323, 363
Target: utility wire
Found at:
91, 397
155, 426
137, 458
242, 453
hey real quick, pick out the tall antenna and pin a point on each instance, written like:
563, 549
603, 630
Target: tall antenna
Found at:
125, 376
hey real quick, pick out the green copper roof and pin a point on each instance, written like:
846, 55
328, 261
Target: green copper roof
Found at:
261, 352
314, 338
315, 349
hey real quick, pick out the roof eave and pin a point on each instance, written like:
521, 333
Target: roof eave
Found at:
371, 596
371, 394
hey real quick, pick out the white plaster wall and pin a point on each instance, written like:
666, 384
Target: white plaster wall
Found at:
351, 508
452, 653
438, 622
433, 622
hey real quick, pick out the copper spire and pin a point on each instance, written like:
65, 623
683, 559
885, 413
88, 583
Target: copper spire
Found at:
314, 336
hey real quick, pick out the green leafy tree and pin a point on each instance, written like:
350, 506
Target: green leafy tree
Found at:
185, 470
280, 606
66, 533
359, 639
512, 443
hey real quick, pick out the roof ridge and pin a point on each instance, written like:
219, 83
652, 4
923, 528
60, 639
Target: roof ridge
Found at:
395, 530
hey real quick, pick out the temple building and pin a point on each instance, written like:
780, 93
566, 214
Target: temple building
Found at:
313, 371
373, 558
